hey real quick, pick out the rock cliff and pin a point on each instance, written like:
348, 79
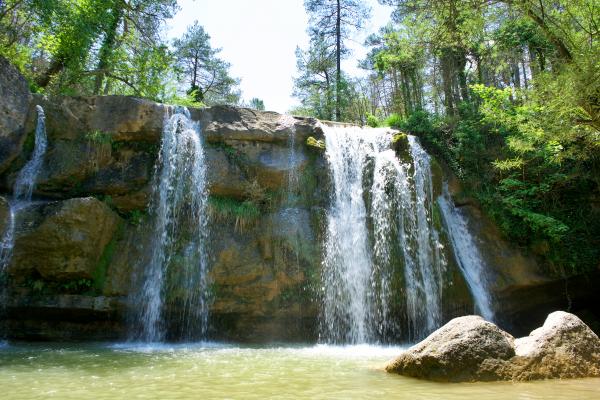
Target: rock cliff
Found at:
81, 243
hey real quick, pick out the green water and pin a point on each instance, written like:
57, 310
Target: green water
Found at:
211, 371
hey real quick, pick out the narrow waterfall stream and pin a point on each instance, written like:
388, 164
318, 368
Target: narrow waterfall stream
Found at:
22, 193
174, 290
467, 254
381, 230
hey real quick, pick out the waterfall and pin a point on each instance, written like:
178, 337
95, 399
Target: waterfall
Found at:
23, 187
26, 179
428, 260
22, 193
176, 275
347, 267
372, 231
402, 211
467, 254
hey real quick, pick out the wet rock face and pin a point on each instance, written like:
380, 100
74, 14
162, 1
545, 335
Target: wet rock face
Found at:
14, 105
264, 278
68, 241
469, 349
4, 215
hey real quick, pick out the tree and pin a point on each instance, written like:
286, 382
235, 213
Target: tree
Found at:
314, 86
331, 23
207, 76
257, 104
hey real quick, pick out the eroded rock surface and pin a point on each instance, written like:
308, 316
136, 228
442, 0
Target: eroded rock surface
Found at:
14, 105
564, 347
469, 349
67, 243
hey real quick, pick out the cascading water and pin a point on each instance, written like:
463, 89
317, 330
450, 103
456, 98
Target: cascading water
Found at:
358, 291
174, 288
347, 267
22, 193
27, 177
467, 254
428, 256
402, 211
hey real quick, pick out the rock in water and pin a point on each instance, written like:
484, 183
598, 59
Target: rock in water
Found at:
469, 349
465, 349
564, 347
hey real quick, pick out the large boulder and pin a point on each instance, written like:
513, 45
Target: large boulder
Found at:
469, 349
465, 349
564, 347
14, 105
67, 243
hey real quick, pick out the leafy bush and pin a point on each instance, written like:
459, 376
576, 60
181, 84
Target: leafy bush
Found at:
393, 121
373, 121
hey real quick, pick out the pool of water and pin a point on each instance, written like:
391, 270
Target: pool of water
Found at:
219, 371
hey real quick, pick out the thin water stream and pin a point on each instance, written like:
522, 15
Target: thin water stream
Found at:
215, 371
173, 288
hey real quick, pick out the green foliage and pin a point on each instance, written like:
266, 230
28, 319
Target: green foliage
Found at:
136, 217
206, 74
373, 121
99, 137
99, 274
257, 104
88, 47
418, 123
394, 121
243, 213
77, 286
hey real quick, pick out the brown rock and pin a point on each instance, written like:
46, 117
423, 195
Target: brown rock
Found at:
469, 349
68, 243
14, 105
4, 215
465, 349
564, 347
223, 123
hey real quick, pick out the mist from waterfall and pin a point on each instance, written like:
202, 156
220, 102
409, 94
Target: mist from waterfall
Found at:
467, 254
174, 289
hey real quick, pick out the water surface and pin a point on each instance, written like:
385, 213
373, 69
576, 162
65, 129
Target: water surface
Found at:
217, 371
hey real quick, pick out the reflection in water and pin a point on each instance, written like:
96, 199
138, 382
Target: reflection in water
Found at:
209, 370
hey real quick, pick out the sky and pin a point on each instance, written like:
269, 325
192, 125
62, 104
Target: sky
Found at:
259, 39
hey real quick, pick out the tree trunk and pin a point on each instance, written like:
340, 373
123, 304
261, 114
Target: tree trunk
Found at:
447, 83
338, 55
107, 48
57, 65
